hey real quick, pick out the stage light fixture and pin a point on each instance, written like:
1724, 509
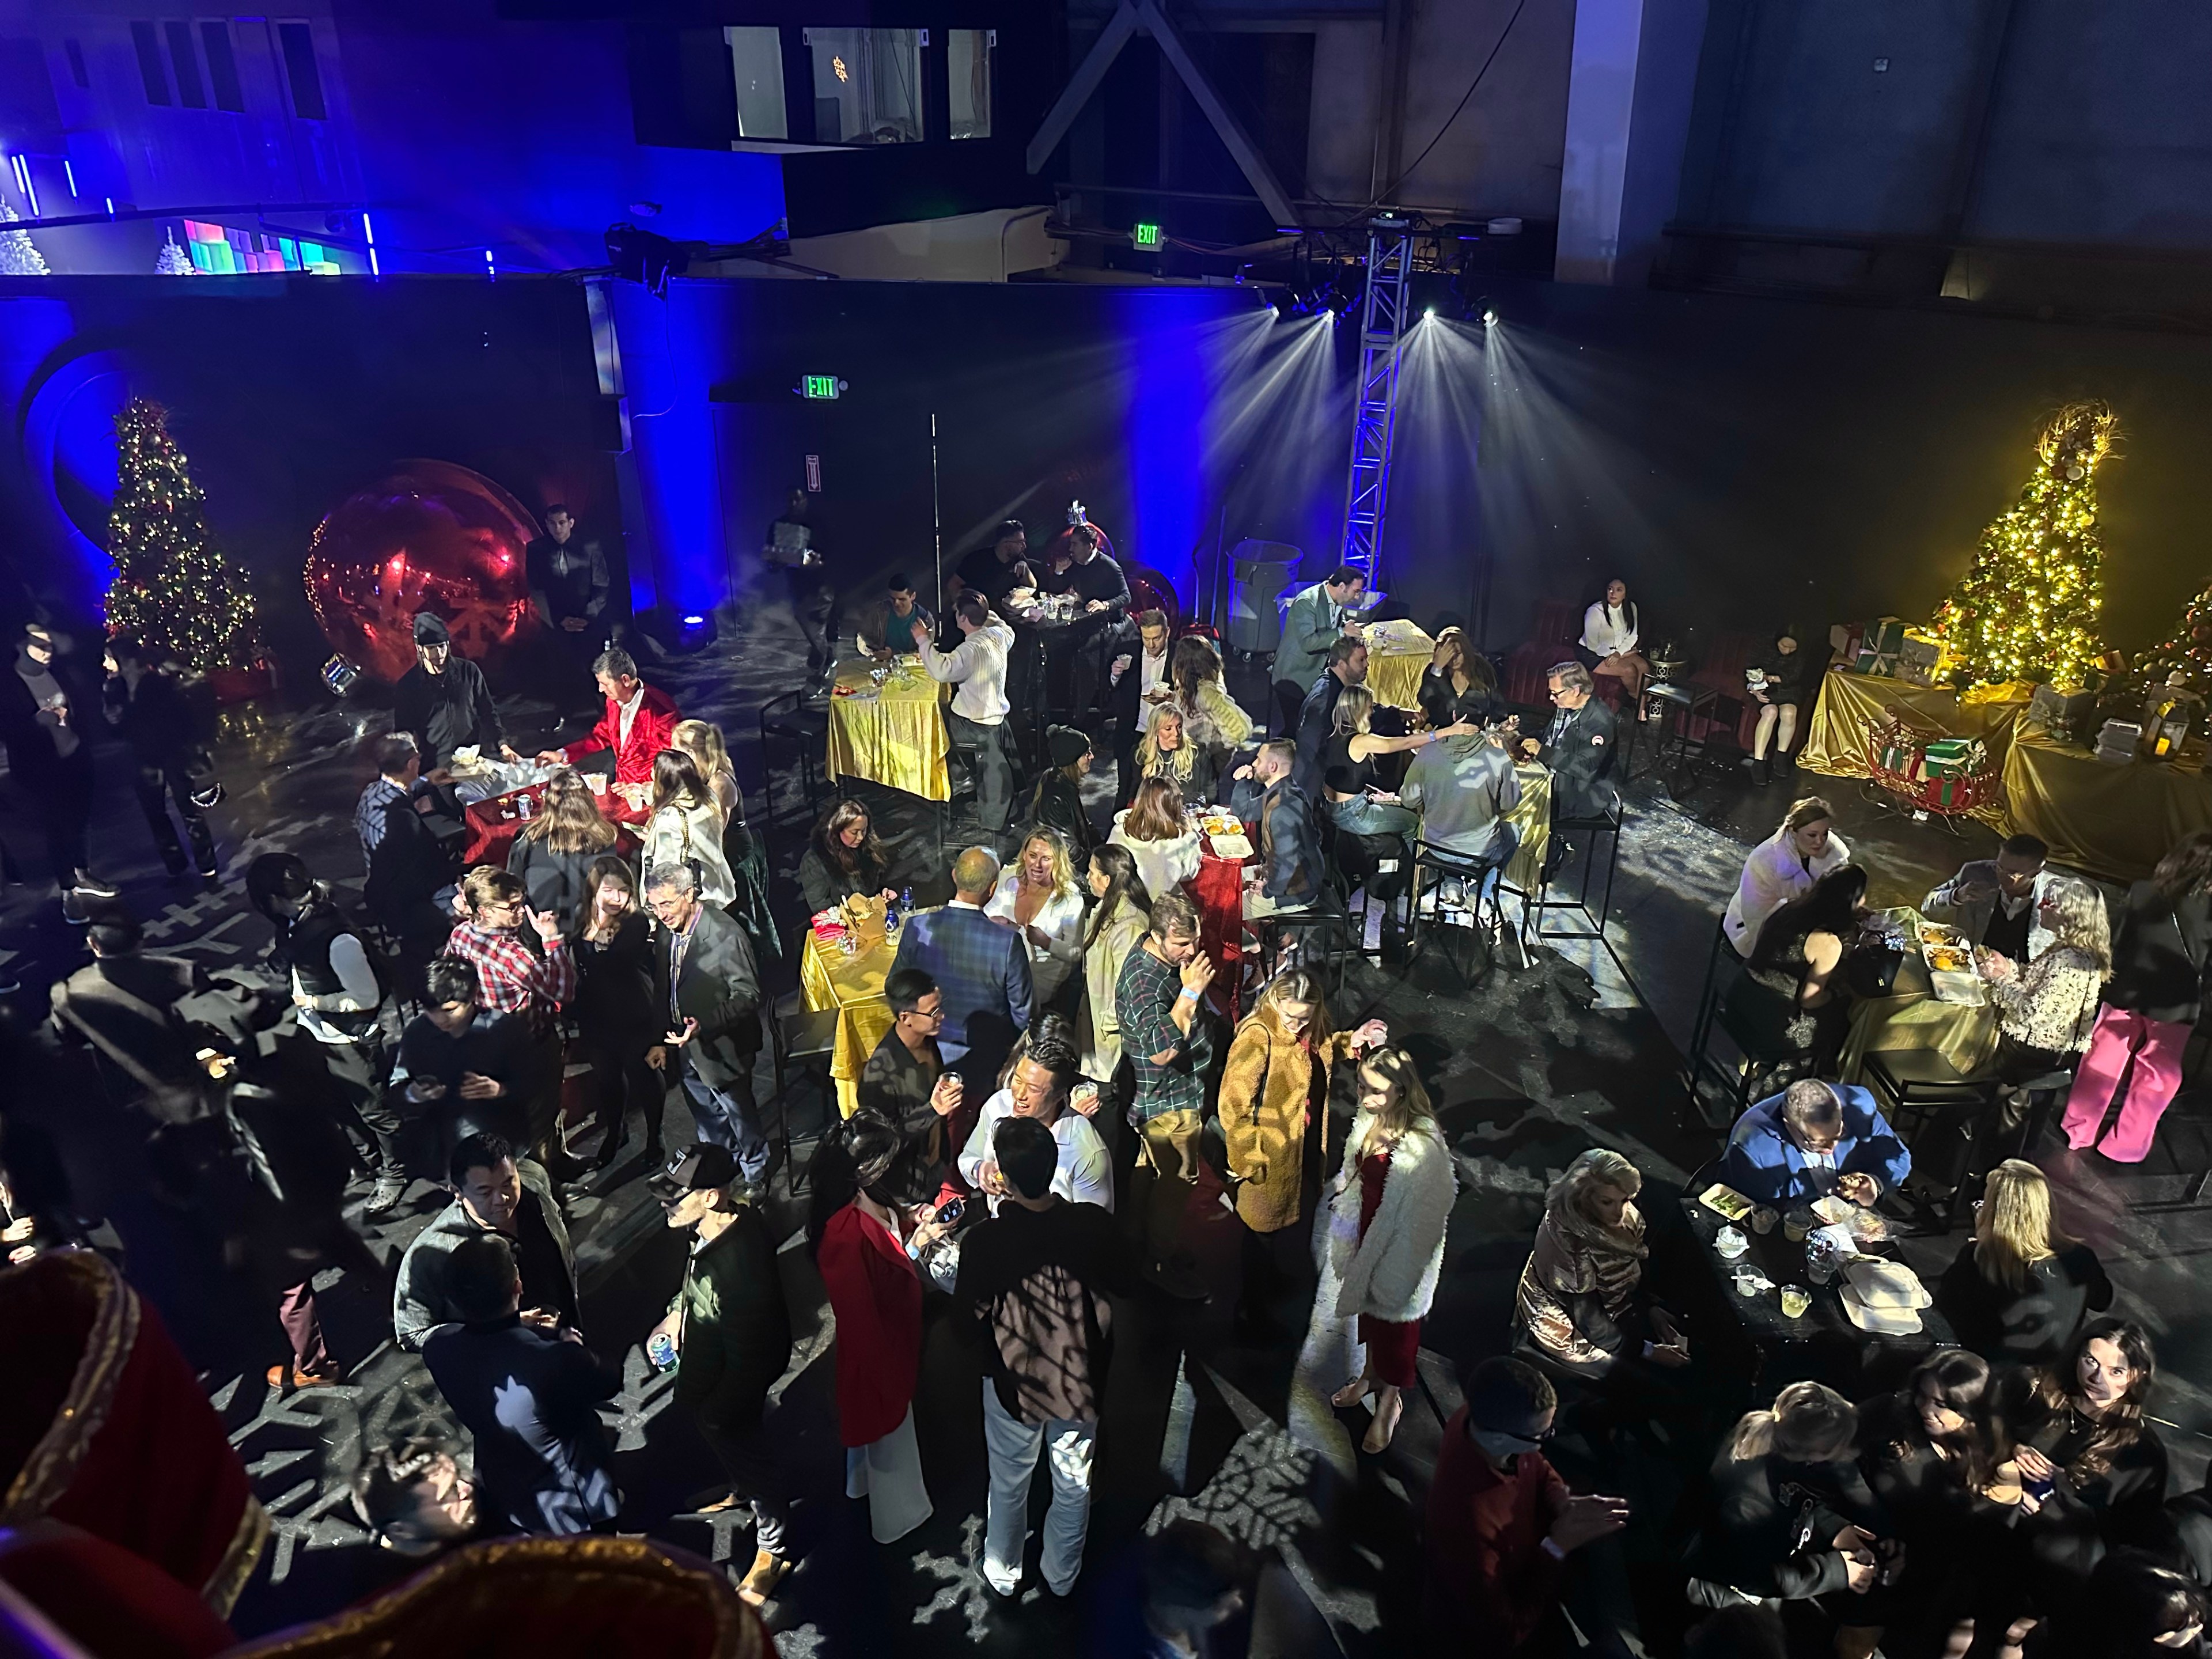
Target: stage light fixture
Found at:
1146, 236
1489, 316
1429, 315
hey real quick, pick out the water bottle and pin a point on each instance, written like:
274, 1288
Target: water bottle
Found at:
905, 902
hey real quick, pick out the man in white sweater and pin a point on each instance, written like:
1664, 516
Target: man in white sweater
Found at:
977, 722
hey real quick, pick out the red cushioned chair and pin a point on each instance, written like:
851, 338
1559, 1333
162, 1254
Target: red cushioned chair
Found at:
1551, 642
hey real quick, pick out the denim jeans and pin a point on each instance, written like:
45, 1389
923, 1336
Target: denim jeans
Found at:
1014, 1447
727, 1118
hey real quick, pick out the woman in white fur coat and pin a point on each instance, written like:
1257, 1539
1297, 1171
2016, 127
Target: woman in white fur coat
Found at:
1385, 1247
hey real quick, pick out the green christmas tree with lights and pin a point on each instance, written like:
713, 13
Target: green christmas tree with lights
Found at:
174, 590
2027, 610
2188, 649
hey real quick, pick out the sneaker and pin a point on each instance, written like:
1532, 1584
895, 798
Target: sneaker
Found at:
73, 908
1452, 894
768, 1571
92, 887
390, 1189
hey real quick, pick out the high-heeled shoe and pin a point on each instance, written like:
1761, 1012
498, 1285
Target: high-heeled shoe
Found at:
1388, 1409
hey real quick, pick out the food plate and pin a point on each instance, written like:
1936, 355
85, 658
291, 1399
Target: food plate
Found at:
1236, 847
1726, 1201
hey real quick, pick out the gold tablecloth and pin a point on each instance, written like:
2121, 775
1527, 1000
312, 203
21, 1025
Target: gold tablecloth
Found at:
2116, 822
1532, 818
1397, 652
1836, 741
896, 737
1912, 1017
853, 986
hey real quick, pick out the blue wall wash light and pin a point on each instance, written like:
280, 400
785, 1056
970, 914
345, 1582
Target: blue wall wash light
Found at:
1168, 338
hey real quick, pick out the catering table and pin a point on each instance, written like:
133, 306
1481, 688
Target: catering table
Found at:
1836, 737
2112, 821
1397, 652
494, 823
1821, 1344
1911, 1017
893, 734
853, 986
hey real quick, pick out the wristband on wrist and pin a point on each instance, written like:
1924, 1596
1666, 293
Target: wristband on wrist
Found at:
1188, 993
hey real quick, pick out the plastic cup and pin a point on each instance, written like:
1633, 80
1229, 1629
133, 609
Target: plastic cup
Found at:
1749, 1281
1796, 1224
1795, 1298
1762, 1220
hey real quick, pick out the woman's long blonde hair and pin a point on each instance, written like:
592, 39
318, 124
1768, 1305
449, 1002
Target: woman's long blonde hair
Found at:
1600, 1166
1298, 985
1157, 812
1810, 1423
570, 821
2013, 1229
1063, 867
702, 741
1178, 763
1355, 707
2081, 921
676, 782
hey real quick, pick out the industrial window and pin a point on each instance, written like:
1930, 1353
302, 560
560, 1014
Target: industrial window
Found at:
968, 54
189, 91
156, 78
867, 86
222, 67
756, 61
76, 55
298, 42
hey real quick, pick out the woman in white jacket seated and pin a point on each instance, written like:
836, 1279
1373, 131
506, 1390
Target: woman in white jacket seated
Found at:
1038, 898
1787, 863
1386, 1233
685, 826
1159, 835
1610, 632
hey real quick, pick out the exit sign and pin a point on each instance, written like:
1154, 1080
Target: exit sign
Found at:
1145, 235
821, 385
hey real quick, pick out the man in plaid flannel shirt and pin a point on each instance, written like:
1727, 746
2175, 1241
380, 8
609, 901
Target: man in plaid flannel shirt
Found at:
513, 979
1160, 1000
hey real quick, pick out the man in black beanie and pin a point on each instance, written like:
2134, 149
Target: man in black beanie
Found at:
444, 703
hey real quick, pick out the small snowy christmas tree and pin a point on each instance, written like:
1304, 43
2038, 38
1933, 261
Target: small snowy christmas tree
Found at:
172, 260
19, 255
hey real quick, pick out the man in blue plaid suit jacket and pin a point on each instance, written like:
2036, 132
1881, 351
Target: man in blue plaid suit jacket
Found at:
982, 966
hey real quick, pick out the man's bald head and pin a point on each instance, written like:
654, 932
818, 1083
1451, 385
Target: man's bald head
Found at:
975, 874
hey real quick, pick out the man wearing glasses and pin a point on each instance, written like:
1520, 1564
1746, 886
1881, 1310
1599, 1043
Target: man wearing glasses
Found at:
1578, 745
709, 991
905, 1084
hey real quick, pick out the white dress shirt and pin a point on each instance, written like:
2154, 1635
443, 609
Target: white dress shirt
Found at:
1086, 1174
976, 670
625, 713
1151, 670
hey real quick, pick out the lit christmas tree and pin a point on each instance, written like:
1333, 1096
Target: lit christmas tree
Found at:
172, 260
2188, 647
2027, 608
172, 589
19, 255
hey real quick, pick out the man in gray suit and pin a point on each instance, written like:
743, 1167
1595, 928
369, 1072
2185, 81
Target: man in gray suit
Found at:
1316, 619
709, 994
1994, 901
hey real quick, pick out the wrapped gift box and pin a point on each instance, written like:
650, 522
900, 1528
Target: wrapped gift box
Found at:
1922, 649
1951, 757
1898, 757
1915, 673
1943, 792
1880, 645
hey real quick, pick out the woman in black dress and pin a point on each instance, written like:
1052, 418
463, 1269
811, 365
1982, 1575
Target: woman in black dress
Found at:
2020, 1288
1792, 993
844, 859
1785, 682
616, 1011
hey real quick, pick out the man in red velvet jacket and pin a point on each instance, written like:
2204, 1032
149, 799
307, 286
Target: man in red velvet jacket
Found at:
638, 725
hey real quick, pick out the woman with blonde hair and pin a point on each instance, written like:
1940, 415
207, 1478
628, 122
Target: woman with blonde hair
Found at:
1170, 750
1581, 1303
1802, 850
1159, 835
1348, 767
1389, 1206
1214, 717
1274, 1117
2020, 1288
2046, 1010
1037, 897
557, 845
684, 826
1792, 1515
748, 860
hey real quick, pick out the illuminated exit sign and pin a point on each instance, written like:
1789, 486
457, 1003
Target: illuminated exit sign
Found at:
821, 385
1146, 236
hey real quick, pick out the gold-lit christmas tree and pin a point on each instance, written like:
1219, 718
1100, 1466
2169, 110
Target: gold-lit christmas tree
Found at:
2188, 649
174, 590
2027, 610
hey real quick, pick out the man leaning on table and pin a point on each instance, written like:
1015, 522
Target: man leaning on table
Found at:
976, 725
1996, 902
639, 722
1811, 1139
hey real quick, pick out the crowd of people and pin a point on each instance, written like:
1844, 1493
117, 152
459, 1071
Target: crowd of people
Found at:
1063, 1100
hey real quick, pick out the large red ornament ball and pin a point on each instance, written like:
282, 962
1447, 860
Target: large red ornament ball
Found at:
430, 537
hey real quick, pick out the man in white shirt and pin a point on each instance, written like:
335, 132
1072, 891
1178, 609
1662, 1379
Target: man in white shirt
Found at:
977, 722
1039, 1089
1141, 684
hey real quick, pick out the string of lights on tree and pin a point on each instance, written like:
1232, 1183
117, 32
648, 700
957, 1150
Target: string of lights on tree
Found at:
174, 590
2188, 649
2027, 608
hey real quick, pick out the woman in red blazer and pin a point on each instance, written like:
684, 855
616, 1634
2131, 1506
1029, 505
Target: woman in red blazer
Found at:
877, 1297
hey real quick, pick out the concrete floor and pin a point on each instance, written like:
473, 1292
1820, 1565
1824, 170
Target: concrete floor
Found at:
1530, 1065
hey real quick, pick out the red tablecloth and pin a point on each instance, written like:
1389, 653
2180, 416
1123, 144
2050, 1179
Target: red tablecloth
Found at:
495, 822
1218, 887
